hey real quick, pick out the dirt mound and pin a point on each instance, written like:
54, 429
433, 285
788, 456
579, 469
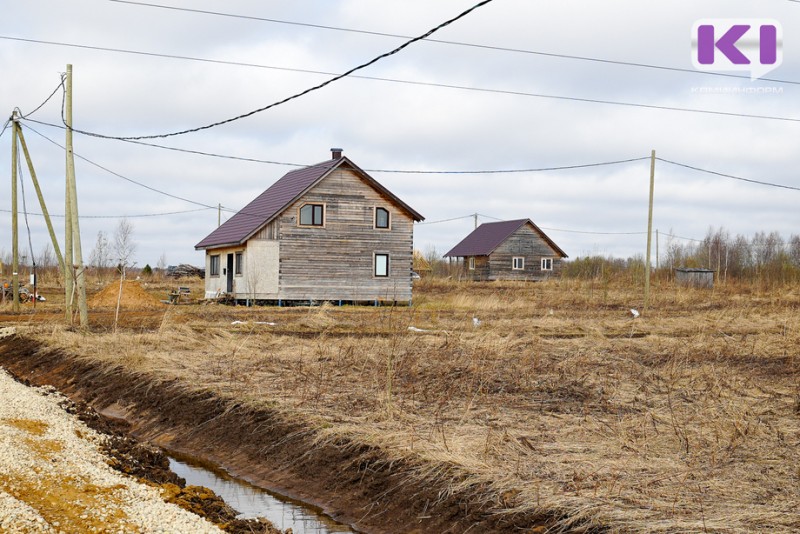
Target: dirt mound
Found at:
133, 297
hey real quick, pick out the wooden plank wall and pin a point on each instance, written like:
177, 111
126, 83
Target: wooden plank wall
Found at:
335, 262
525, 242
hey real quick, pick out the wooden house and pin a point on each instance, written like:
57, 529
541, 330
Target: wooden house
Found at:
508, 250
327, 232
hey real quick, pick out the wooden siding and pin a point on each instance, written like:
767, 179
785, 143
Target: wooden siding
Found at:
335, 262
528, 244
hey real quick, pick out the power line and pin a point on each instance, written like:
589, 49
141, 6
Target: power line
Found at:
375, 78
121, 176
590, 232
445, 220
135, 216
507, 171
40, 106
715, 173
454, 43
387, 171
306, 91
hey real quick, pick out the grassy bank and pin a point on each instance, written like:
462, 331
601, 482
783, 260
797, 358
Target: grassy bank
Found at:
557, 403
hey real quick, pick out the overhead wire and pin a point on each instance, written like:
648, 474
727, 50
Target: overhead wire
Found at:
386, 171
449, 42
40, 106
724, 175
133, 216
140, 184
302, 93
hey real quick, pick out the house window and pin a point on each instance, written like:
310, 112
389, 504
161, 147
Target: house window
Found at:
547, 264
382, 218
239, 266
312, 215
213, 265
518, 263
471, 263
381, 265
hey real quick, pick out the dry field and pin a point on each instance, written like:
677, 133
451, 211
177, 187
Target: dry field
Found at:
686, 419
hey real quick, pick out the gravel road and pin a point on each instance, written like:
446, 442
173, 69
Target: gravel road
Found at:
53, 477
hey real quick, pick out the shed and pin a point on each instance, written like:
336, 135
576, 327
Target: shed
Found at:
326, 232
703, 278
508, 250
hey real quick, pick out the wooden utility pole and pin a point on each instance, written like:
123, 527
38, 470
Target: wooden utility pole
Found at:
14, 229
649, 231
46, 214
72, 195
657, 266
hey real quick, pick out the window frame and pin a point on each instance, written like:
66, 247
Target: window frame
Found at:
471, 263
313, 205
375, 264
546, 264
375, 218
213, 266
518, 263
238, 262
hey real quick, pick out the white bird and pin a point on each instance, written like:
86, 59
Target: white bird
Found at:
476, 322
634, 313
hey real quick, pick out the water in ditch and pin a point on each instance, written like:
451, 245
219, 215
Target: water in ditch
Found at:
252, 501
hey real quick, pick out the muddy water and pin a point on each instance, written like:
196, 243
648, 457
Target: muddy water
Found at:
252, 501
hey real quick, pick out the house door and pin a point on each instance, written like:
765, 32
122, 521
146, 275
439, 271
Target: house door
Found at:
229, 272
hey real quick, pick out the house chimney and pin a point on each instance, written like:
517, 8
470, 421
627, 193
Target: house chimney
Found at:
336, 153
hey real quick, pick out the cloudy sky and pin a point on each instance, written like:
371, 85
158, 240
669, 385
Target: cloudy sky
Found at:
514, 85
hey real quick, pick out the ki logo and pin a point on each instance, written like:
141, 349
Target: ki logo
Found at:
745, 45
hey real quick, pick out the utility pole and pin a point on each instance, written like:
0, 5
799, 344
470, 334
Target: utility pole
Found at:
649, 231
657, 250
219, 215
476, 220
72, 194
46, 214
14, 229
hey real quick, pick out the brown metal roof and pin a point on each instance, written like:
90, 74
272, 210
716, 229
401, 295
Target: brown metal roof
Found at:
269, 204
488, 236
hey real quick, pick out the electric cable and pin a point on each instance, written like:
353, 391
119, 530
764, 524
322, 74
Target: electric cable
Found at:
296, 95
715, 173
121, 176
387, 171
454, 43
40, 106
135, 216
378, 78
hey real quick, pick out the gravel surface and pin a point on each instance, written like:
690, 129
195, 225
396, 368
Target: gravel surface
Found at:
53, 477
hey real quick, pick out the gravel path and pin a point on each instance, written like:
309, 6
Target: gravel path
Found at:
53, 477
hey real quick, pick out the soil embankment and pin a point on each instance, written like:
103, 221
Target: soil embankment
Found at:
354, 484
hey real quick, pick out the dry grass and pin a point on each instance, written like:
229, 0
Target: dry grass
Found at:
684, 420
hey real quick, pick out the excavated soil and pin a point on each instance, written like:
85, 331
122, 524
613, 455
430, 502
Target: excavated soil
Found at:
352, 483
133, 296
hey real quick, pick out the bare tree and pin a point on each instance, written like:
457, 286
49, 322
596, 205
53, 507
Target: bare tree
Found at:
161, 266
100, 257
124, 247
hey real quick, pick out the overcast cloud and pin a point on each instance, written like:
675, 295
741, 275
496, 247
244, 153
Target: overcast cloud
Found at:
388, 125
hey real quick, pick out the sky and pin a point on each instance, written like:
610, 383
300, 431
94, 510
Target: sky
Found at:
514, 85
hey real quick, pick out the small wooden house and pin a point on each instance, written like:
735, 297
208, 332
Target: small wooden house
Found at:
508, 250
328, 232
